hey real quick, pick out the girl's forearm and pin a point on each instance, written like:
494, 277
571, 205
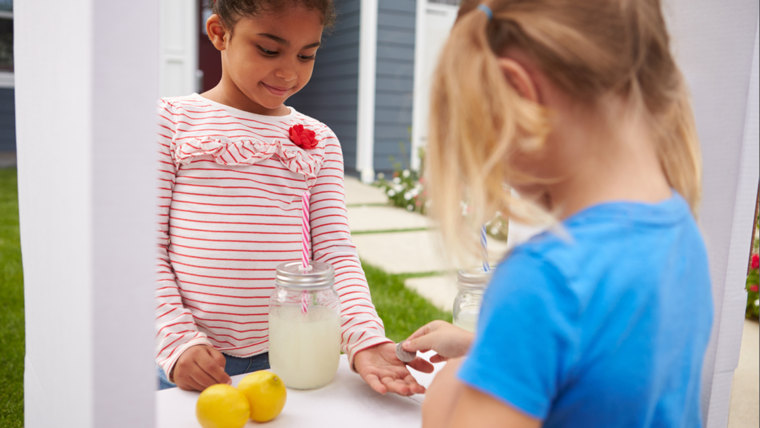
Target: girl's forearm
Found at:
441, 396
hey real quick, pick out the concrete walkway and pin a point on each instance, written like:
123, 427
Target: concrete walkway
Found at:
7, 159
401, 242
744, 410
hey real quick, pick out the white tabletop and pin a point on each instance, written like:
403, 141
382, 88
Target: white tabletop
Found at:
346, 402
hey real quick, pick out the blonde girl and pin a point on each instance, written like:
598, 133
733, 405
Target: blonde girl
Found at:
580, 108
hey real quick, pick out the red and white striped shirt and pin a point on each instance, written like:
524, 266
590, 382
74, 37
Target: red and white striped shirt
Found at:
230, 199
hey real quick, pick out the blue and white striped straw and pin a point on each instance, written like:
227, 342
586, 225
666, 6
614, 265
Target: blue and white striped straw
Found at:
484, 247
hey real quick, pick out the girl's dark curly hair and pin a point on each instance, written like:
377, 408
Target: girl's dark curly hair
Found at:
232, 10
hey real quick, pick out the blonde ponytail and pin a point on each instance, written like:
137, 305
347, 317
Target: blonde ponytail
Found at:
679, 150
472, 136
589, 49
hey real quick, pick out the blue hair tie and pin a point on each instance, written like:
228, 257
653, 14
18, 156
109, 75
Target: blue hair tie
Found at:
487, 10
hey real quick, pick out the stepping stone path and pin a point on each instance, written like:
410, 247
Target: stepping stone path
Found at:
402, 242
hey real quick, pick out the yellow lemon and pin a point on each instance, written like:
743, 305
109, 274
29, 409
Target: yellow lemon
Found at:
266, 394
222, 406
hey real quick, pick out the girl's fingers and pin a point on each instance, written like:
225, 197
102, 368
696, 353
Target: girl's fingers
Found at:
217, 356
213, 366
201, 377
414, 387
413, 346
428, 328
374, 383
423, 343
190, 383
425, 329
396, 385
190, 386
217, 374
421, 365
437, 358
408, 345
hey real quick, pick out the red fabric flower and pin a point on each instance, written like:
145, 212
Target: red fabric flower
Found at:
755, 261
303, 137
753, 287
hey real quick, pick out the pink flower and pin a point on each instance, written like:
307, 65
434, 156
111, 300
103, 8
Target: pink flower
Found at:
755, 261
302, 137
753, 287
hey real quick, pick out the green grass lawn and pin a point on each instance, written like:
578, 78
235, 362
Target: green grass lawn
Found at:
12, 308
401, 309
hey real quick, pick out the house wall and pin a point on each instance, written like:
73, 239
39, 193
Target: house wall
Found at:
394, 97
7, 84
331, 96
7, 120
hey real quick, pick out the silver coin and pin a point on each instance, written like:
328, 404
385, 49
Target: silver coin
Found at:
404, 356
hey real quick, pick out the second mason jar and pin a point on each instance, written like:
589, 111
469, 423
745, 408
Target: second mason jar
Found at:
304, 325
471, 284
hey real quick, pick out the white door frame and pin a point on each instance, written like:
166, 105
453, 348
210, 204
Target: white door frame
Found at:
423, 75
365, 120
178, 70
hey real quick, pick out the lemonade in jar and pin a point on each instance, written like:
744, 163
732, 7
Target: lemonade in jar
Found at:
471, 284
304, 325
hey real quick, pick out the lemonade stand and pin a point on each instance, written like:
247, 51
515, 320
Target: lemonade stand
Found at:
346, 402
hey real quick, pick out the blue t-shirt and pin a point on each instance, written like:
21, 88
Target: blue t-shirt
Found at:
605, 328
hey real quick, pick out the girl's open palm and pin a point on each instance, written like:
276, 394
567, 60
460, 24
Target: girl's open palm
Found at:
384, 372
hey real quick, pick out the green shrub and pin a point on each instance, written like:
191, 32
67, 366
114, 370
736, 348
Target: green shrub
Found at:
405, 190
753, 304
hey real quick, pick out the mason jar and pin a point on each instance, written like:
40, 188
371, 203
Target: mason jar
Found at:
304, 325
471, 284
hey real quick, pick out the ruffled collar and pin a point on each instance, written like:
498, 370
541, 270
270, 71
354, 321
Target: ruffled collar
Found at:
248, 151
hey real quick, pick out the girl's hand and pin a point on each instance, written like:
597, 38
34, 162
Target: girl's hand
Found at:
199, 367
382, 371
449, 341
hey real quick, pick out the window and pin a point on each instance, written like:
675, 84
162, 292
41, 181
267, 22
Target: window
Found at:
6, 43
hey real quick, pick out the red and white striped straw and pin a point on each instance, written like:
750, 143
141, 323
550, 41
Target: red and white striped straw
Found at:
305, 239
304, 302
484, 248
305, 230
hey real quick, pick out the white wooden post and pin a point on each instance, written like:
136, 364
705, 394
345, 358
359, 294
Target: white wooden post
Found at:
717, 47
365, 122
86, 85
